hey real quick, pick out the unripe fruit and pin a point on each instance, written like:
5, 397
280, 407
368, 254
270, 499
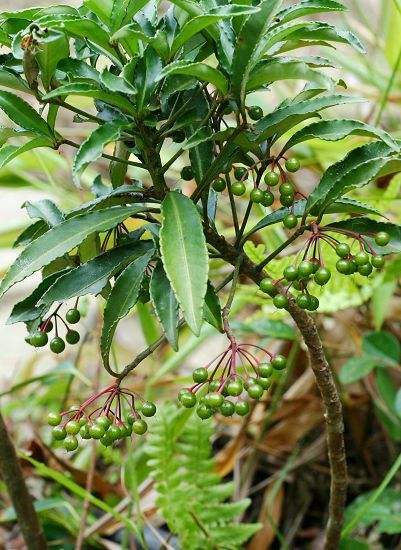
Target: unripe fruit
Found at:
268, 287
238, 188
58, 433
234, 388
265, 383
287, 188
382, 238
322, 276
365, 269
187, 173
84, 432
107, 440
287, 200
39, 339
57, 345
72, 337
96, 431
305, 269
227, 408
313, 303
265, 370
242, 408
292, 165
291, 273
148, 409
139, 427
271, 178
103, 421
48, 326
240, 172
268, 198
279, 362
342, 250
256, 196
126, 431
290, 221
72, 427
82, 421
200, 375
114, 432
204, 412
70, 443
214, 385
72, 316
344, 267
219, 184
255, 112
214, 400
188, 400
255, 391
378, 262
303, 301
280, 301
54, 419
361, 258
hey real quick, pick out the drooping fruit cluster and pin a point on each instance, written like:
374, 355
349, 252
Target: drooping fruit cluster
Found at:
40, 337
221, 386
312, 268
103, 422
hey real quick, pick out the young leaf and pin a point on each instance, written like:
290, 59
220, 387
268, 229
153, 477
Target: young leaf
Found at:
203, 72
61, 239
122, 299
307, 7
247, 50
184, 255
165, 304
20, 112
10, 152
212, 309
54, 48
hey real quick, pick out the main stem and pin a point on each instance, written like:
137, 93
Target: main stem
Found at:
11, 473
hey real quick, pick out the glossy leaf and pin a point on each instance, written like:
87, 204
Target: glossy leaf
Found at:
121, 300
45, 210
212, 309
307, 7
20, 112
51, 51
165, 304
133, 32
184, 256
9, 79
10, 152
247, 50
61, 239
92, 276
203, 72
334, 130
115, 83
146, 77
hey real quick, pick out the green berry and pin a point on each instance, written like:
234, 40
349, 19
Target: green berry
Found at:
279, 362
54, 419
148, 409
126, 431
57, 345
290, 221
139, 427
107, 440
214, 385
188, 400
315, 264
255, 112
96, 431
344, 266
287, 200
361, 258
242, 408
200, 375
72, 316
103, 421
214, 400
265, 383
303, 301
271, 178
313, 303
114, 432
265, 370
382, 238
234, 388
47, 326
238, 188
187, 173
39, 339
204, 412
82, 421
268, 287
378, 262
292, 165
256, 196
280, 301
240, 172
58, 433
72, 337
70, 443
291, 273
365, 269
342, 250
84, 432
268, 198
287, 188
227, 408
255, 391
72, 427
219, 184
305, 269
322, 276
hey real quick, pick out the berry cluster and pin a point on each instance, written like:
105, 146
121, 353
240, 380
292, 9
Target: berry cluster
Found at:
312, 269
57, 345
234, 372
105, 421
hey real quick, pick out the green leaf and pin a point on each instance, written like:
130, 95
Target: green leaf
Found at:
285, 69
54, 48
212, 308
91, 90
185, 257
266, 328
116, 83
9, 79
165, 304
146, 77
10, 152
356, 368
334, 130
61, 239
92, 276
92, 148
121, 300
368, 227
45, 210
203, 72
130, 34
383, 346
307, 7
20, 112
358, 168
287, 116
247, 50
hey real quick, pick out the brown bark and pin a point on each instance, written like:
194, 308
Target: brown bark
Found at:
12, 476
